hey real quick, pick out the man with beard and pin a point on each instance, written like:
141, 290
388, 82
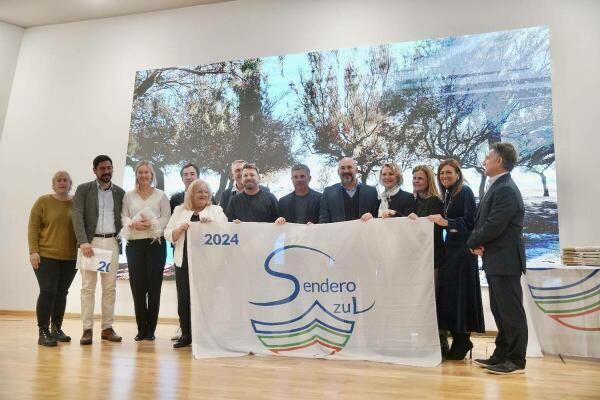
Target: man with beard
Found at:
97, 221
350, 199
253, 204
238, 184
302, 205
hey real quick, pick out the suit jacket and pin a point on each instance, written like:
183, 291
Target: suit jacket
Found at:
182, 215
226, 196
85, 210
287, 206
332, 203
499, 228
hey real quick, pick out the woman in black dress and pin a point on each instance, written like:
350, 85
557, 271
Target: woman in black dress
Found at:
459, 297
428, 202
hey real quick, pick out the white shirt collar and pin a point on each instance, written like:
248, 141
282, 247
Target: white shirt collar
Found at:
100, 188
493, 180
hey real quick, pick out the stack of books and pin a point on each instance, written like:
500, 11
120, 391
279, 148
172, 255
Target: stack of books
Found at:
587, 255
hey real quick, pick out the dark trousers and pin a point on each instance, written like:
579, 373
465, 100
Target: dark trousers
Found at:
182, 280
146, 263
54, 278
506, 303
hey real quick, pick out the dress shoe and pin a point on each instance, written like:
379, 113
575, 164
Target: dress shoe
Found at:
86, 338
506, 368
139, 337
150, 337
46, 338
58, 334
110, 335
484, 363
177, 335
182, 342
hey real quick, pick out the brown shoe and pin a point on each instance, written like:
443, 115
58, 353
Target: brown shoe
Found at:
86, 338
110, 335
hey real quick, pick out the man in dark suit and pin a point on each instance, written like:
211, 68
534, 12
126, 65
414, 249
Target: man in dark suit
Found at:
498, 238
238, 184
348, 200
189, 173
303, 204
97, 222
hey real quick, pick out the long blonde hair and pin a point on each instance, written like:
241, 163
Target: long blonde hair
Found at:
432, 189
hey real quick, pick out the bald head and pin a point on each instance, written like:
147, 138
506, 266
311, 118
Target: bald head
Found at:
347, 170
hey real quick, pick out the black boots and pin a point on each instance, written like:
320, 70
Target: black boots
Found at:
461, 345
444, 343
184, 341
46, 338
58, 334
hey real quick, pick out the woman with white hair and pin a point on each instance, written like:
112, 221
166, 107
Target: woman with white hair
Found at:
196, 207
52, 254
145, 213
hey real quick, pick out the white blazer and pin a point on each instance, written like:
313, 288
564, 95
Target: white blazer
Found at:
181, 215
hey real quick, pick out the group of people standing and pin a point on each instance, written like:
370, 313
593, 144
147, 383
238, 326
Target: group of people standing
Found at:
100, 210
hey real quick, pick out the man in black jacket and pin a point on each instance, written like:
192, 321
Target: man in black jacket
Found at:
238, 184
349, 199
302, 205
498, 238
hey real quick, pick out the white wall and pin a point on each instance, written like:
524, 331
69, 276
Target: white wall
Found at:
10, 41
72, 90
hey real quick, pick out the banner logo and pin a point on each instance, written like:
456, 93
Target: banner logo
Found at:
325, 328
569, 305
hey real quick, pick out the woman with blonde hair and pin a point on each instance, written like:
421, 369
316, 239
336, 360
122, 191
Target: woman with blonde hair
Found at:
145, 213
459, 306
52, 254
428, 202
393, 201
196, 207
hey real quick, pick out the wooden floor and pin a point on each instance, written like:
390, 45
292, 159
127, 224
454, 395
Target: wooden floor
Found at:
153, 370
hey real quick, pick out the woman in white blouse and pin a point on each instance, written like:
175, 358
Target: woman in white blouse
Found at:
196, 207
145, 214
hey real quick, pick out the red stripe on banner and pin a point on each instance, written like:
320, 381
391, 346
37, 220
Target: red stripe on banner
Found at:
558, 317
335, 349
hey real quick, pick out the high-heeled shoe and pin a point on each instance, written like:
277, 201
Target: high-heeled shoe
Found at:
444, 346
459, 350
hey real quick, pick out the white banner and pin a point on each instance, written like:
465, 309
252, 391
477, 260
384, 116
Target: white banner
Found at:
99, 262
351, 290
564, 304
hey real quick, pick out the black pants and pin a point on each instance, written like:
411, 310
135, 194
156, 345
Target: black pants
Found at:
54, 278
506, 303
146, 263
182, 280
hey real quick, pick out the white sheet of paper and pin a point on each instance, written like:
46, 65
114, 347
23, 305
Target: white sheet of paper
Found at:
99, 262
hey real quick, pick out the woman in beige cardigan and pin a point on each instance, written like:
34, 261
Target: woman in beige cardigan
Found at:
196, 207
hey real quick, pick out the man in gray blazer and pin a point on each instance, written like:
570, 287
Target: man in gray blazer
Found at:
348, 200
498, 238
97, 222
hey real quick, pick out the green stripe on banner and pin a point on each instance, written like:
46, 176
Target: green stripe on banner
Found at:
570, 310
280, 346
568, 300
303, 332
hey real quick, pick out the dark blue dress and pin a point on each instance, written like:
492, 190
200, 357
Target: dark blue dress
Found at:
459, 294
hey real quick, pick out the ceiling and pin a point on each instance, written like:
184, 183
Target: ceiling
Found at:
29, 13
